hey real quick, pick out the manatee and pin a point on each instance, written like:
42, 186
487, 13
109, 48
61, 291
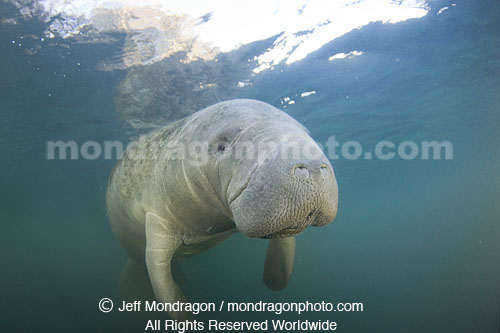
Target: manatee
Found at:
236, 166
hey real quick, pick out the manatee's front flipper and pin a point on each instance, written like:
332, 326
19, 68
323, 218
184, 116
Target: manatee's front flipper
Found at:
279, 262
161, 244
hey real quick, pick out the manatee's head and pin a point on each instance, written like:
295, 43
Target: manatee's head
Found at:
275, 179
279, 196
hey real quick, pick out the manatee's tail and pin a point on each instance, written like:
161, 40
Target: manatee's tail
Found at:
134, 284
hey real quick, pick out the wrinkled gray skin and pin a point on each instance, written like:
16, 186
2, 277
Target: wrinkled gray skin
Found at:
165, 207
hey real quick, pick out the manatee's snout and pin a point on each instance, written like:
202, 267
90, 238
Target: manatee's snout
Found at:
315, 169
283, 196
322, 176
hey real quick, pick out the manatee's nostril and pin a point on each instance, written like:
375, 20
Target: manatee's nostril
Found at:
301, 172
324, 170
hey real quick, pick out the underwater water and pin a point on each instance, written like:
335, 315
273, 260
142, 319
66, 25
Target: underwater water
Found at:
416, 241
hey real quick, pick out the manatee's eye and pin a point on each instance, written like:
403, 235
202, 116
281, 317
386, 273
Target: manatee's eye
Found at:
222, 141
221, 147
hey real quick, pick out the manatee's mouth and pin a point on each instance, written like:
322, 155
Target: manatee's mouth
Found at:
242, 188
250, 176
238, 194
287, 232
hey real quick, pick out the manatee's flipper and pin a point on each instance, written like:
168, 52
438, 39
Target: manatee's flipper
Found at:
161, 244
279, 262
134, 283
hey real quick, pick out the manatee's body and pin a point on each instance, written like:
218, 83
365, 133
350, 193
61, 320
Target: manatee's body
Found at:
239, 165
